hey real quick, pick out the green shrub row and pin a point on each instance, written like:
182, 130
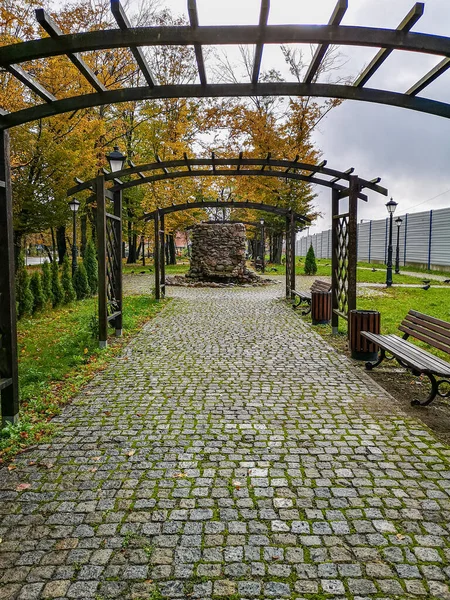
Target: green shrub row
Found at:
52, 287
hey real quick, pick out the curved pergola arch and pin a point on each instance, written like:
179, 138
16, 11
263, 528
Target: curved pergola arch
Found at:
236, 167
72, 45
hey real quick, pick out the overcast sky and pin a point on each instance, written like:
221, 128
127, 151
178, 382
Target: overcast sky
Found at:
407, 149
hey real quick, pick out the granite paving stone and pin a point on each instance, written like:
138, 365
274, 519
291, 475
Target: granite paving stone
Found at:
229, 452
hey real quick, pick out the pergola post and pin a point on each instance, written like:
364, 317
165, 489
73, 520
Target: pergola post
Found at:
156, 256
352, 240
334, 261
9, 383
162, 264
101, 252
292, 231
288, 257
117, 201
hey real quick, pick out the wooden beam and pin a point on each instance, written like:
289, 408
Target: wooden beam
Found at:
124, 24
335, 19
429, 77
31, 83
263, 17
193, 18
49, 25
408, 22
347, 172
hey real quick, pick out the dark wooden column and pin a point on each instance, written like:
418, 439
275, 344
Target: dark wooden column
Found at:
9, 383
162, 264
117, 200
352, 240
156, 258
101, 252
334, 260
288, 258
292, 230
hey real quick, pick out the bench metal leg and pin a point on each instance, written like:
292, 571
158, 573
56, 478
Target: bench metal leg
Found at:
372, 365
432, 395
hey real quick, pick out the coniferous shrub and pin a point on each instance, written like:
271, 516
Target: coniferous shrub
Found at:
66, 281
37, 291
310, 262
91, 265
23, 291
47, 282
80, 282
57, 291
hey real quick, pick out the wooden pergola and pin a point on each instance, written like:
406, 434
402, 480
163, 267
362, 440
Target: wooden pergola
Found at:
385, 41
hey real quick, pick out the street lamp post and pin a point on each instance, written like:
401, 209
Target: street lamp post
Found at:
398, 222
391, 206
74, 205
263, 247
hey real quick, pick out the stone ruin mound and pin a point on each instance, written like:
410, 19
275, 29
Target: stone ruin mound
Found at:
218, 258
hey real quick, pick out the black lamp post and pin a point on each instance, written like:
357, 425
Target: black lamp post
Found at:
263, 246
391, 206
116, 160
398, 222
74, 205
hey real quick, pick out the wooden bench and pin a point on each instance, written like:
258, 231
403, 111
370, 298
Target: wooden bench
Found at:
304, 298
435, 333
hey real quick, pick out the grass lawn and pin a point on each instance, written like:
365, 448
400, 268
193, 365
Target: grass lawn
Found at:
180, 268
58, 354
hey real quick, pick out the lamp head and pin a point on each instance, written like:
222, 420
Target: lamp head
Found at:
391, 206
116, 160
399, 221
74, 205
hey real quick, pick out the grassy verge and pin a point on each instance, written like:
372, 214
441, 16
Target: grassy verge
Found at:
58, 354
179, 268
363, 275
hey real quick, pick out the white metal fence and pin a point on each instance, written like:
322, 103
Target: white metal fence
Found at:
424, 240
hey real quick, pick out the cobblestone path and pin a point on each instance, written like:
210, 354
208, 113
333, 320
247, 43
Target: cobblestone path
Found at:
229, 453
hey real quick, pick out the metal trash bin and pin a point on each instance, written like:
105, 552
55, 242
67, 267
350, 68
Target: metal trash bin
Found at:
363, 320
320, 308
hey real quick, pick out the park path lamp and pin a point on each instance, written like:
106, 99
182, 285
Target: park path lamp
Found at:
74, 205
398, 222
263, 246
116, 160
391, 206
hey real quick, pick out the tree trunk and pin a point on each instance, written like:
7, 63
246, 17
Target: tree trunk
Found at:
52, 231
172, 250
83, 229
61, 241
18, 239
277, 248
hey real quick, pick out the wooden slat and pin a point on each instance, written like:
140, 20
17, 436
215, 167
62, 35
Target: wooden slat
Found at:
413, 322
424, 336
429, 319
415, 357
114, 315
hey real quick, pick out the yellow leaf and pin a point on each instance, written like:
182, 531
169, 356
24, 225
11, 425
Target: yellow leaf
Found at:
12, 467
86, 350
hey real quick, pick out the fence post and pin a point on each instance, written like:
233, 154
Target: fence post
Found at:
352, 241
429, 239
156, 258
370, 239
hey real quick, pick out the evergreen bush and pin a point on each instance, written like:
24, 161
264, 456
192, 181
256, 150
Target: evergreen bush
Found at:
66, 281
80, 282
37, 291
57, 291
23, 291
91, 265
310, 262
47, 282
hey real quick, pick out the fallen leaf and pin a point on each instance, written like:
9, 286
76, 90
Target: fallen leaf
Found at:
12, 467
139, 415
31, 463
96, 457
400, 536
93, 470
180, 475
23, 486
46, 465
107, 413
131, 453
